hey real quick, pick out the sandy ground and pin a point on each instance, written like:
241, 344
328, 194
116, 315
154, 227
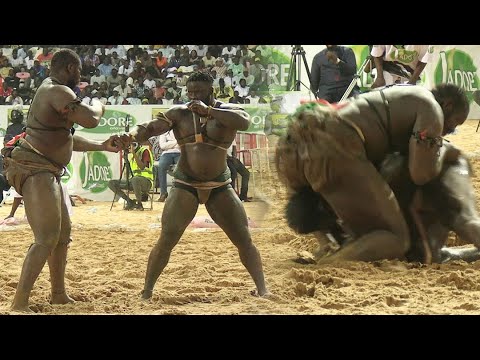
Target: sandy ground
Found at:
108, 258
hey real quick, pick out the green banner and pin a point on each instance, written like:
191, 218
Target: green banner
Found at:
95, 171
457, 67
113, 121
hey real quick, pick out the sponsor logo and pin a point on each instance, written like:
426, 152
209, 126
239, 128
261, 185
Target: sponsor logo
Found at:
113, 121
95, 171
457, 67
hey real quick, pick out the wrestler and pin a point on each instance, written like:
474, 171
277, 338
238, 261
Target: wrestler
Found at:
447, 203
337, 152
36, 165
204, 129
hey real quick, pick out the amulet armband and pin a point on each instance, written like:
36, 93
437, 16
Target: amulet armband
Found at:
421, 136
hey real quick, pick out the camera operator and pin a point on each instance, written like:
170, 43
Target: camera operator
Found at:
140, 161
333, 69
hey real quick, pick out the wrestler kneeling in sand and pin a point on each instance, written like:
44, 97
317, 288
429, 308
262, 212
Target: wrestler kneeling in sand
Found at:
447, 203
336, 153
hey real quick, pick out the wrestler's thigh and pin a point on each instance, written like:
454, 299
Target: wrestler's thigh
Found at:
363, 200
179, 210
228, 212
457, 185
42, 196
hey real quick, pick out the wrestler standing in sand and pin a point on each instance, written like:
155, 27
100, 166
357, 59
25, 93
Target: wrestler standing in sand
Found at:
36, 165
204, 129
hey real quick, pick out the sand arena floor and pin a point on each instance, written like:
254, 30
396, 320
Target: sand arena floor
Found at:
108, 258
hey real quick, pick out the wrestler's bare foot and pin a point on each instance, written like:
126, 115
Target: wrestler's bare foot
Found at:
24, 309
61, 298
264, 294
146, 294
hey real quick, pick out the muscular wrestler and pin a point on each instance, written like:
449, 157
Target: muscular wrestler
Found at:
204, 129
447, 203
337, 154
36, 165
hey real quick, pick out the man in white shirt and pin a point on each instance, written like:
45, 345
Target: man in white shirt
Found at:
115, 99
399, 63
170, 156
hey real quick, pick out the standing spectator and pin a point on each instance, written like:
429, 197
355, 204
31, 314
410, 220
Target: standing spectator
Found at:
333, 70
170, 156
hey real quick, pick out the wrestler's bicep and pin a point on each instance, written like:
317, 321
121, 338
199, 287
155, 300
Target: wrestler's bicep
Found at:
162, 122
424, 146
81, 114
70, 108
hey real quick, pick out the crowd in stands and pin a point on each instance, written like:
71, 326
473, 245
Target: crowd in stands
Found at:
134, 75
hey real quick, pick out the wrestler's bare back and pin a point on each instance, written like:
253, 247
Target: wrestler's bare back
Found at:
406, 104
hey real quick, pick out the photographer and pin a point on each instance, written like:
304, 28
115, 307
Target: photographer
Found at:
140, 161
333, 70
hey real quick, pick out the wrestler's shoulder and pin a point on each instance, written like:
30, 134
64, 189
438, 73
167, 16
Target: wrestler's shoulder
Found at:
229, 106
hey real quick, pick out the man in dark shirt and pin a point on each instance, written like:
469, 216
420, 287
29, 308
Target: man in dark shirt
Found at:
333, 69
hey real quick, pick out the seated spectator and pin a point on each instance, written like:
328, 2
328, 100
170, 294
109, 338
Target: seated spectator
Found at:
105, 67
242, 89
15, 60
208, 60
11, 79
133, 98
113, 80
100, 96
123, 89
97, 77
237, 68
174, 90
237, 167
125, 68
222, 92
236, 99
115, 99
141, 163
4, 185
229, 79
5, 90
252, 97
14, 98
193, 58
169, 156
220, 68
88, 70
161, 61
149, 82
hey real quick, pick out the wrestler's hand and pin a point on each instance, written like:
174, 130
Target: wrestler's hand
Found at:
198, 107
332, 57
379, 82
112, 144
124, 140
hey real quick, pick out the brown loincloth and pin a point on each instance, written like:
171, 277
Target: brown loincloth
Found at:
25, 163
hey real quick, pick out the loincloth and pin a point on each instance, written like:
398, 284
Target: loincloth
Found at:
26, 162
316, 146
202, 189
